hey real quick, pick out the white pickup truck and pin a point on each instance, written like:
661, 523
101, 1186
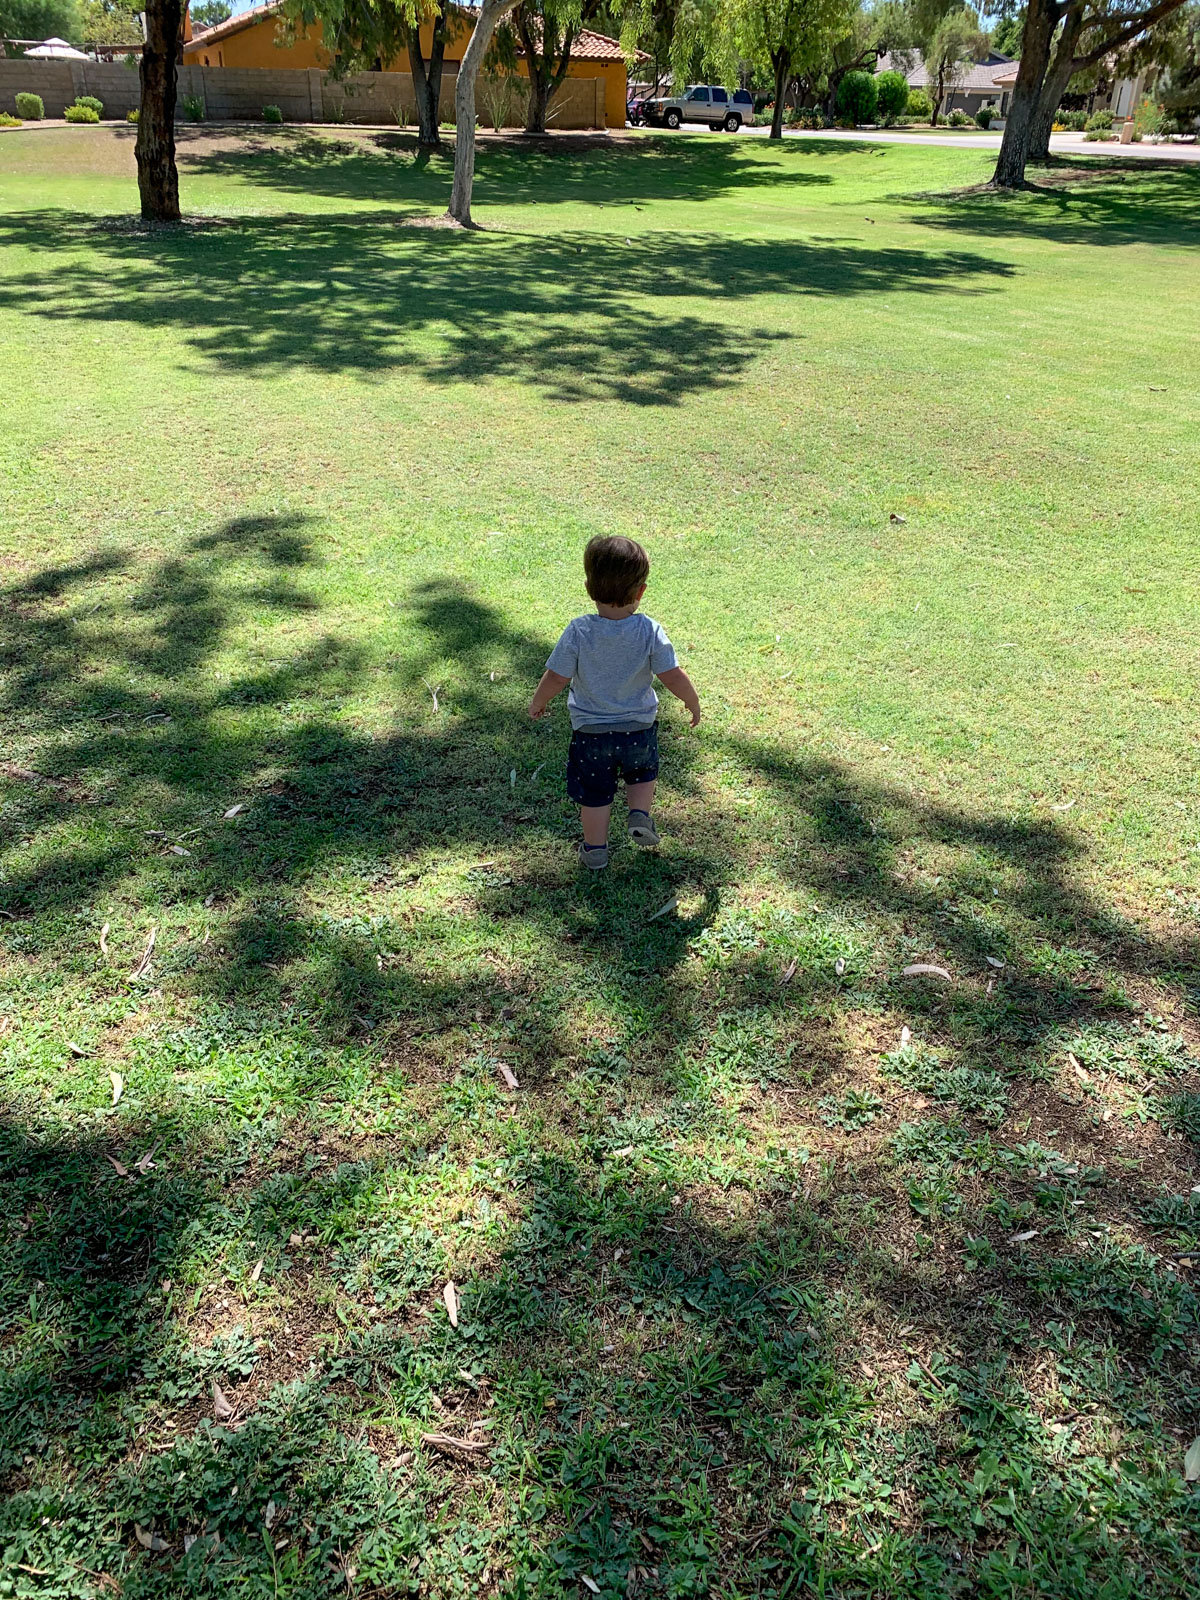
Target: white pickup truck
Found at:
704, 102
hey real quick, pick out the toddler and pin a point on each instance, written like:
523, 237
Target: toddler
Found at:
610, 661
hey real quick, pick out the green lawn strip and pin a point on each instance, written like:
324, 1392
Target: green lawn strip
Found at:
780, 1269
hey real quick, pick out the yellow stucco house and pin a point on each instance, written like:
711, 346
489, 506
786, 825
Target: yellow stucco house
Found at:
257, 38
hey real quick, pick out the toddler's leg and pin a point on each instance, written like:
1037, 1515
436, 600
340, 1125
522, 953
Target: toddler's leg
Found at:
595, 823
640, 796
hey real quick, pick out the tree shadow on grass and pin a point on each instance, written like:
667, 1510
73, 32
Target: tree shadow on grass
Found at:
668, 1333
1081, 202
390, 168
576, 317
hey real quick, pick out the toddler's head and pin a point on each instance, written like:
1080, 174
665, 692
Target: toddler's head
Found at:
615, 571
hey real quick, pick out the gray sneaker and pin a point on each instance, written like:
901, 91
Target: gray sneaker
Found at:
594, 856
642, 830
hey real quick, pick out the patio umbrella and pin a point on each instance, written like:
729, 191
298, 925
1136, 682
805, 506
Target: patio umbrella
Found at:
56, 50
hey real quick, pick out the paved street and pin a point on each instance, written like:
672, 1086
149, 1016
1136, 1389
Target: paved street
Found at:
1060, 144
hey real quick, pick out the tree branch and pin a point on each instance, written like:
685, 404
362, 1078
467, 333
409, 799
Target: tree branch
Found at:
1130, 30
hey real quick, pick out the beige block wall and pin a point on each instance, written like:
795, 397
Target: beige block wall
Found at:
238, 94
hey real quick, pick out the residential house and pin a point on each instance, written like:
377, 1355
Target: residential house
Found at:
260, 38
980, 85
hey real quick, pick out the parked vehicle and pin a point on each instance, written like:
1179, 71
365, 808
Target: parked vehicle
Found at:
704, 102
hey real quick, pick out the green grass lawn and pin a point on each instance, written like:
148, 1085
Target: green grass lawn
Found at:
781, 1272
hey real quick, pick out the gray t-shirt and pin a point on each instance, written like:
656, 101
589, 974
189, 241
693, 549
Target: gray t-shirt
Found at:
611, 664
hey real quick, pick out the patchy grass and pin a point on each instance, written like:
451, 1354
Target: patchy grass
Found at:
758, 1292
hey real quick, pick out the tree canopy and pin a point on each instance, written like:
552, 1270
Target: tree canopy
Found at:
39, 19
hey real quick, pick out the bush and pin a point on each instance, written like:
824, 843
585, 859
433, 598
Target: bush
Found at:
892, 94
91, 102
983, 117
857, 97
9, 122
810, 120
80, 114
919, 105
193, 107
958, 119
1097, 135
1101, 122
272, 114
133, 116
1073, 121
30, 107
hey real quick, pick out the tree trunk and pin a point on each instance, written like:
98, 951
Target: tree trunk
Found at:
544, 77
1058, 76
938, 97
427, 78
158, 179
780, 86
1041, 20
490, 13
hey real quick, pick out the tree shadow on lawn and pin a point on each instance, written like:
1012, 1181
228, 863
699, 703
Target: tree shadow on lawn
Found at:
577, 317
737, 1331
1080, 203
391, 168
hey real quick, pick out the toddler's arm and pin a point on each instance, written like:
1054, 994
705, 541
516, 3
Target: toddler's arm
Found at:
552, 683
676, 681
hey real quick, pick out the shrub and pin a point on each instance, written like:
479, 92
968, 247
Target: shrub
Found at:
9, 122
919, 105
1074, 121
1101, 122
193, 107
810, 120
892, 94
30, 107
272, 114
80, 114
857, 97
983, 117
133, 116
91, 102
958, 119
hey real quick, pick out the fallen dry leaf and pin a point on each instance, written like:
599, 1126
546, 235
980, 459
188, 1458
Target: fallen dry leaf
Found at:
143, 965
789, 972
118, 1086
257, 1273
222, 1410
625, 1150
1024, 1238
121, 1172
233, 811
590, 1582
450, 1296
994, 961
905, 1038
452, 1446
509, 1076
295, 1240
76, 1049
178, 850
1066, 806
1191, 1462
895, 515
104, 939
148, 1541
923, 969
839, 966
143, 1164
662, 910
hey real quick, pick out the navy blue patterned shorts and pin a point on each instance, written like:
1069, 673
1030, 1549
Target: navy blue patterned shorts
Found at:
596, 760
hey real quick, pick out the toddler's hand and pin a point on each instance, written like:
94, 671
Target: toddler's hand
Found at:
695, 716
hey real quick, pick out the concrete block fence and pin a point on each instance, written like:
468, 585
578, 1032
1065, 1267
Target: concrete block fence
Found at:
238, 94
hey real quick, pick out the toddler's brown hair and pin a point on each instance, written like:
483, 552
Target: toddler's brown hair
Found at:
614, 568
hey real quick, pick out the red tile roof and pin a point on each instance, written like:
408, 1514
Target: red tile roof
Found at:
588, 46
